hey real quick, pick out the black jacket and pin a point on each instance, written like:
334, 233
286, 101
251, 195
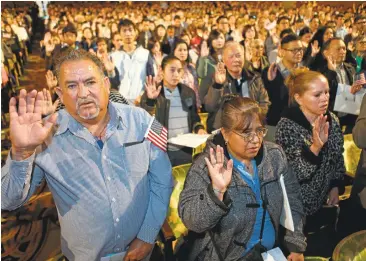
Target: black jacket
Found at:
333, 81
278, 96
160, 107
317, 174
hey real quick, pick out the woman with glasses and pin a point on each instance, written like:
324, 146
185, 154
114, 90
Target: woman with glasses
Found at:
312, 139
234, 185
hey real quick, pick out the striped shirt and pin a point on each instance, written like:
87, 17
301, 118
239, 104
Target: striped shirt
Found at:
178, 118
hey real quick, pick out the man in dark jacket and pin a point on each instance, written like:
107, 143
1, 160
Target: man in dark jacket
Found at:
274, 78
69, 40
234, 80
338, 72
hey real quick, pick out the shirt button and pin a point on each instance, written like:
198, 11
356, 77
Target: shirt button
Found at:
118, 236
109, 178
117, 249
113, 199
117, 219
104, 157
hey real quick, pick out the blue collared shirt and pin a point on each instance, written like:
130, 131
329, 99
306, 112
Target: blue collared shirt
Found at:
253, 182
105, 197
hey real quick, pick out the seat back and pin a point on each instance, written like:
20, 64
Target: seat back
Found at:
351, 155
176, 224
352, 248
316, 258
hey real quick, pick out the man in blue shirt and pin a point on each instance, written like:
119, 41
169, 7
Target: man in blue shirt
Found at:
111, 186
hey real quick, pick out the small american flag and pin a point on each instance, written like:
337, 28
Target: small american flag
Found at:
360, 81
157, 134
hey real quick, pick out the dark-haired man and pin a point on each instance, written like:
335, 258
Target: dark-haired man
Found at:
52, 51
358, 29
274, 77
340, 30
338, 72
111, 183
132, 62
223, 27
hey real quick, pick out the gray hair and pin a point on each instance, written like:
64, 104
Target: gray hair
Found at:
231, 44
71, 54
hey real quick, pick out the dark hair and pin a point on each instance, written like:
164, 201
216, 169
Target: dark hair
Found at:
88, 28
178, 42
101, 39
113, 35
318, 36
214, 34
239, 112
359, 17
70, 28
176, 17
305, 30
314, 17
70, 54
286, 31
125, 23
246, 28
330, 22
289, 38
220, 18
339, 15
327, 44
168, 59
282, 18
151, 43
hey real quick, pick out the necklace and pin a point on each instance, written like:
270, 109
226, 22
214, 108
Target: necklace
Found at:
101, 133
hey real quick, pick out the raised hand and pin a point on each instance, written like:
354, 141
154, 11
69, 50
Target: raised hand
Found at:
272, 72
315, 48
220, 73
350, 46
331, 63
150, 87
108, 63
355, 88
204, 50
158, 56
27, 130
47, 106
220, 176
320, 132
51, 80
49, 47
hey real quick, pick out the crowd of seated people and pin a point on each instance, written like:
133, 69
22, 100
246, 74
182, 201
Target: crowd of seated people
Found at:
178, 60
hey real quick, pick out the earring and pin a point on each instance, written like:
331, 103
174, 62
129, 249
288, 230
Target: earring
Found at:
225, 142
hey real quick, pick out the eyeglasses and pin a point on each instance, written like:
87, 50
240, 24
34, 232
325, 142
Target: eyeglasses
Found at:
295, 51
248, 137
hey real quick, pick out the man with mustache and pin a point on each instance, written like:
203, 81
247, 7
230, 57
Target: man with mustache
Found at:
111, 185
231, 78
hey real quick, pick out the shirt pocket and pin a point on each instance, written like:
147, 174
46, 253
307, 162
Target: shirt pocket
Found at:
136, 159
